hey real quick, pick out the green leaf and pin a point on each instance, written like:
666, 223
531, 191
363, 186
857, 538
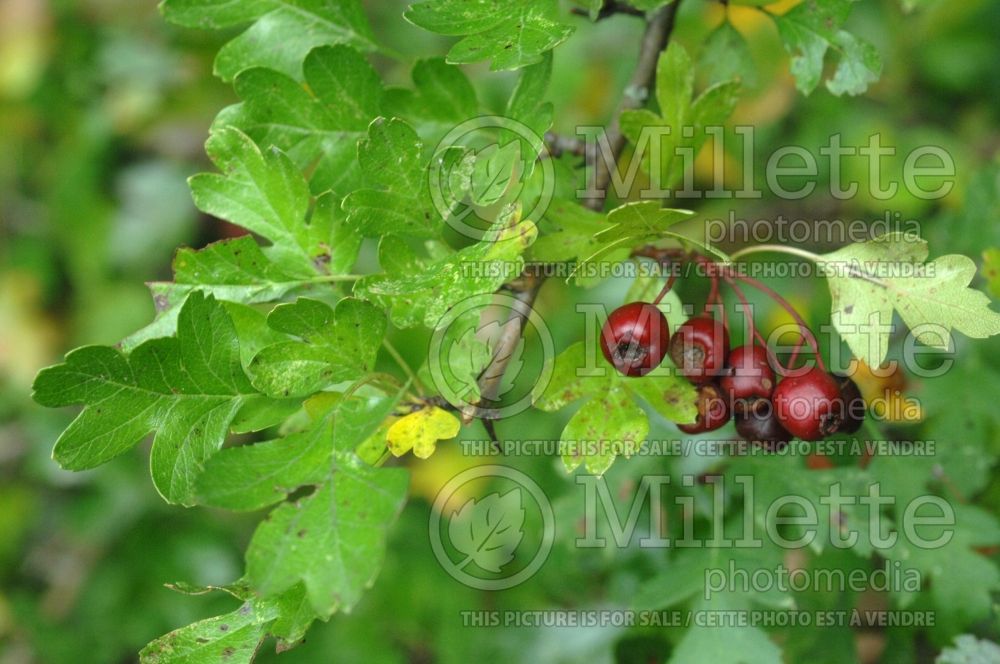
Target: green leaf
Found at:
444, 93
511, 35
569, 381
670, 395
283, 31
250, 477
391, 157
809, 30
683, 579
425, 296
726, 56
336, 345
186, 388
674, 85
680, 114
332, 540
317, 125
961, 581
233, 270
872, 279
629, 226
571, 234
602, 429
784, 475
226, 639
262, 191
733, 645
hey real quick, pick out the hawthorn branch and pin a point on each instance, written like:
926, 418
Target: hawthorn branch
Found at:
654, 40
525, 289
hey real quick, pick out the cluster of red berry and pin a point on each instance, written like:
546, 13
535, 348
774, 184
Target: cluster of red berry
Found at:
808, 402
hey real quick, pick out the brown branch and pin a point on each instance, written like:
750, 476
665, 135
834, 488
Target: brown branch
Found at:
655, 39
525, 290
658, 30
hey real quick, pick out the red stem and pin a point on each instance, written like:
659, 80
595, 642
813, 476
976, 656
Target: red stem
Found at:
666, 288
803, 327
748, 314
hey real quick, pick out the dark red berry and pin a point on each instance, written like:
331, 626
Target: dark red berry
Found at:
699, 348
760, 426
854, 408
808, 405
748, 376
713, 411
634, 338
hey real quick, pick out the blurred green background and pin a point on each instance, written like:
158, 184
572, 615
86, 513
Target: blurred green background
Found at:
103, 112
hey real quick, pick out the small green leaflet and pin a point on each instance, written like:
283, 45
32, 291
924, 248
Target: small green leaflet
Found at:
783, 475
629, 226
250, 477
237, 270
527, 105
331, 540
443, 94
282, 32
463, 353
511, 34
872, 279
961, 580
601, 430
610, 419
186, 389
318, 124
809, 30
262, 191
726, 56
421, 293
488, 531
233, 638
391, 158
683, 581
335, 345
571, 235
661, 136
230, 638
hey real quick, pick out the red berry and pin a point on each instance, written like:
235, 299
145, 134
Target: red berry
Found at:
699, 348
748, 376
760, 426
854, 407
808, 405
713, 412
634, 338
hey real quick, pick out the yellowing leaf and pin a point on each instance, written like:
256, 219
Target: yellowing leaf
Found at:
421, 430
872, 279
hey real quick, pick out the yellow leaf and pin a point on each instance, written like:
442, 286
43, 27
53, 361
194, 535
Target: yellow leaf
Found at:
421, 430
